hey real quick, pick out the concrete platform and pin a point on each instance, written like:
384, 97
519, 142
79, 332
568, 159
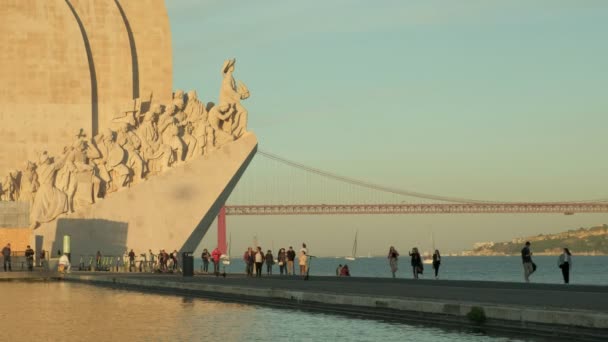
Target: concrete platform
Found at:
23, 276
546, 310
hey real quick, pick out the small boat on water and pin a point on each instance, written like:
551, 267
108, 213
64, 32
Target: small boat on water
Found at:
226, 258
427, 258
354, 253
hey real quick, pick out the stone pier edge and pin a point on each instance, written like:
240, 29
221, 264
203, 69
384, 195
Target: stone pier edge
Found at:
584, 325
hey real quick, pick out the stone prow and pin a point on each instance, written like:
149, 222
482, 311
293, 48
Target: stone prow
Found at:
170, 211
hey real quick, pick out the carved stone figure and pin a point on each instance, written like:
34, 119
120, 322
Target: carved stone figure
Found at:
112, 168
10, 187
220, 119
131, 143
195, 110
155, 153
29, 183
86, 184
231, 93
49, 202
169, 128
190, 142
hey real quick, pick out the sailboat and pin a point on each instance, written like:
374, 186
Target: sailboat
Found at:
226, 258
352, 256
427, 258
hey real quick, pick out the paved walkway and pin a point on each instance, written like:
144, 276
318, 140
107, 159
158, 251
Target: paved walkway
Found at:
578, 297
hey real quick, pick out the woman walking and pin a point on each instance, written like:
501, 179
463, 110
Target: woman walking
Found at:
205, 256
565, 263
436, 263
259, 261
282, 258
393, 256
269, 262
417, 267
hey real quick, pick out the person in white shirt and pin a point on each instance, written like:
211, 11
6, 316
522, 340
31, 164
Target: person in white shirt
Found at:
304, 249
64, 264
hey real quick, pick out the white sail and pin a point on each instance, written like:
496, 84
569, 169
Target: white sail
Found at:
226, 258
354, 252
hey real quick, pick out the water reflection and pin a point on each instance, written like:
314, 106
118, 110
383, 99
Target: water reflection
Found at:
58, 311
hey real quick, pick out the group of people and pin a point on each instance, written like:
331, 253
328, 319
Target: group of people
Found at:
29, 258
342, 271
416, 261
564, 263
145, 262
145, 140
215, 257
255, 260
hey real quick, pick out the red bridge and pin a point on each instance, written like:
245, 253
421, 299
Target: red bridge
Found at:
341, 195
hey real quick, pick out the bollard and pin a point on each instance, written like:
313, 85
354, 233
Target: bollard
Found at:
187, 264
66, 247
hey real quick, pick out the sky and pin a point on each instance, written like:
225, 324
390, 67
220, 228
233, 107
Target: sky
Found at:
492, 100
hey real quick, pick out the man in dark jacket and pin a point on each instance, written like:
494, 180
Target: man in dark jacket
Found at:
291, 256
29, 256
6, 254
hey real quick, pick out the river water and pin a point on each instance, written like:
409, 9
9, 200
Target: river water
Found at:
592, 270
60, 311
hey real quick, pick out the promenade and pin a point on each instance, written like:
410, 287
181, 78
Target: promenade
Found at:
545, 310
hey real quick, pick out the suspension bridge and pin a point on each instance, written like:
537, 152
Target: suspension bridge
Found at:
274, 185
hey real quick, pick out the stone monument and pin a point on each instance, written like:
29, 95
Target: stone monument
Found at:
95, 142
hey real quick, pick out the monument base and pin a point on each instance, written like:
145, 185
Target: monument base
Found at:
170, 211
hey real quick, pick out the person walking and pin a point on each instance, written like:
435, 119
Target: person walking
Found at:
565, 263
97, 260
43, 262
249, 259
29, 257
216, 255
291, 257
282, 259
174, 257
393, 257
6, 255
131, 260
269, 259
338, 270
526, 258
416, 262
205, 256
436, 263
151, 260
259, 262
302, 260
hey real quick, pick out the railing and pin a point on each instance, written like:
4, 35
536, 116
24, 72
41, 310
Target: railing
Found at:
440, 208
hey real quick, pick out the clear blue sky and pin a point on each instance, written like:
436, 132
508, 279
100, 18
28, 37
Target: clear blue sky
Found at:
497, 100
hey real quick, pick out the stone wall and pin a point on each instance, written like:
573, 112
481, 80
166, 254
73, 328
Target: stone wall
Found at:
19, 238
72, 64
45, 95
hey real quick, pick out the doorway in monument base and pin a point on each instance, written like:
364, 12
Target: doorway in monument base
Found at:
89, 236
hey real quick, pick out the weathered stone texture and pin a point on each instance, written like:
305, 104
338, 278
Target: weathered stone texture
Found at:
149, 22
51, 87
19, 238
111, 51
45, 95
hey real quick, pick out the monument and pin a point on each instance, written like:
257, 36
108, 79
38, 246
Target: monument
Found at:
95, 142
